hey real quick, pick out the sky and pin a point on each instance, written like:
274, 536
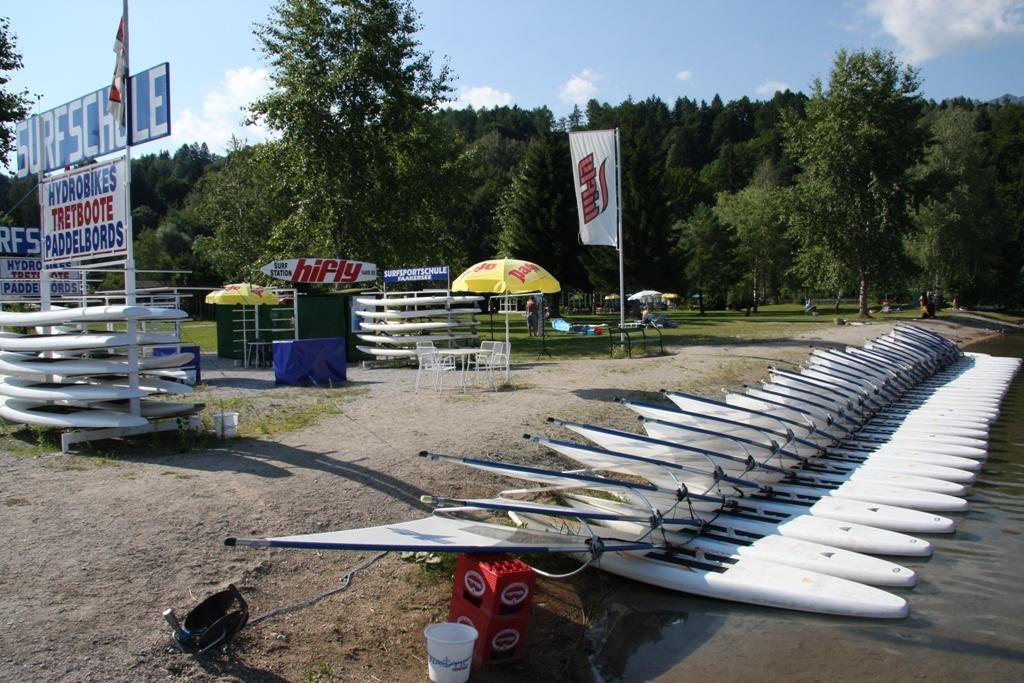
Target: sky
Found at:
531, 53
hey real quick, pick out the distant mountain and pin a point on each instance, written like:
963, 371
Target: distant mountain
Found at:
1014, 99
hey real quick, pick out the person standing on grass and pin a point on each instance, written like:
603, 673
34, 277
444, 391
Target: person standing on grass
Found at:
531, 316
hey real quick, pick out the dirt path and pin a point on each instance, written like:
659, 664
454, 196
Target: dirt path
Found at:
95, 548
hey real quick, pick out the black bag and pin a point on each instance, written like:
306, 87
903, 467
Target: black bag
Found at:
214, 621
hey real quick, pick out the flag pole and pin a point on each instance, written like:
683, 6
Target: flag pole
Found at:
618, 209
134, 404
129, 264
44, 274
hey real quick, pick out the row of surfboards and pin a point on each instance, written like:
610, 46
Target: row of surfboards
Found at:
62, 374
800, 494
393, 325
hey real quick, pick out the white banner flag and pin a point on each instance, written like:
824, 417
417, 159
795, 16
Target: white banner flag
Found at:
595, 173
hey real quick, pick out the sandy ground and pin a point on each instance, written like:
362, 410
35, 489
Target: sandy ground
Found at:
94, 548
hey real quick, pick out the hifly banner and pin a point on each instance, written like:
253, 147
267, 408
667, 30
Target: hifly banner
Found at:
83, 129
322, 270
19, 277
83, 213
595, 174
421, 274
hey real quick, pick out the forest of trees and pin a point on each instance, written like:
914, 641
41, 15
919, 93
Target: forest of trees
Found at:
859, 188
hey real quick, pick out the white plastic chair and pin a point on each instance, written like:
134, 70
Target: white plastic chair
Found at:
429, 363
505, 353
498, 362
486, 349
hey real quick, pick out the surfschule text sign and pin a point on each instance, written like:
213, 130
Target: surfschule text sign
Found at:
20, 241
83, 213
416, 274
83, 128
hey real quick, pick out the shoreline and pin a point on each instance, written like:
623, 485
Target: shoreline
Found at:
100, 546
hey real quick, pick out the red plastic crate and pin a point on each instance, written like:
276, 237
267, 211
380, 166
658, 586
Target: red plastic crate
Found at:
500, 639
495, 584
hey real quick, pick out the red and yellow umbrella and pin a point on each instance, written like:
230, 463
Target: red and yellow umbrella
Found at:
242, 293
506, 276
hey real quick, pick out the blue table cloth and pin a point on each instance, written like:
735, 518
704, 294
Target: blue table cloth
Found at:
319, 362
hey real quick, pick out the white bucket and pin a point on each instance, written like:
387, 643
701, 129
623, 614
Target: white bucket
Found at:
195, 423
225, 425
449, 651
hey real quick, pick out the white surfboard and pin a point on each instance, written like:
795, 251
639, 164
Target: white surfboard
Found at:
150, 385
399, 340
387, 353
417, 300
86, 340
744, 579
154, 409
35, 366
48, 415
817, 557
418, 313
55, 391
86, 314
412, 327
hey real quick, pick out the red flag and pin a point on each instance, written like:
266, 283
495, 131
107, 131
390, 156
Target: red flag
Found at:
116, 102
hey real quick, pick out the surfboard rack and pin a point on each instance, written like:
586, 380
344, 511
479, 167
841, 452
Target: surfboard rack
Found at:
68, 439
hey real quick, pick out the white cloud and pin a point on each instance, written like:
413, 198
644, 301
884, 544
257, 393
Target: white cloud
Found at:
481, 97
222, 112
769, 88
580, 89
684, 75
928, 28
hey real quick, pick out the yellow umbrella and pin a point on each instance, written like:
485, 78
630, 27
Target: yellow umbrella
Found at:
669, 296
506, 276
242, 293
611, 297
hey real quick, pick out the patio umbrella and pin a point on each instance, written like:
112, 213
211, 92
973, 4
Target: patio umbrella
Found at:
611, 297
669, 296
645, 295
242, 293
506, 276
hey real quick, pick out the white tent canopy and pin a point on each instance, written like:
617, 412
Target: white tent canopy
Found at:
646, 295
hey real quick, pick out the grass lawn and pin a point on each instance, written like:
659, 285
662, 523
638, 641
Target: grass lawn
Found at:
203, 333
770, 323
775, 322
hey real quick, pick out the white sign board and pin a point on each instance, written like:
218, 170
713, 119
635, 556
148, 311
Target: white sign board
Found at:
19, 277
322, 270
84, 213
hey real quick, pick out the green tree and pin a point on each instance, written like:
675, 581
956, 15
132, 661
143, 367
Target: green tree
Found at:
490, 162
1007, 142
13, 105
856, 148
709, 249
961, 236
538, 212
763, 250
351, 97
242, 199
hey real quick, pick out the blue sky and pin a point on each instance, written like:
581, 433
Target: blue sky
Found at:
533, 52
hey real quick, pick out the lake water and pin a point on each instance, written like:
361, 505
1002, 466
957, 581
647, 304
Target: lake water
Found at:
966, 618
